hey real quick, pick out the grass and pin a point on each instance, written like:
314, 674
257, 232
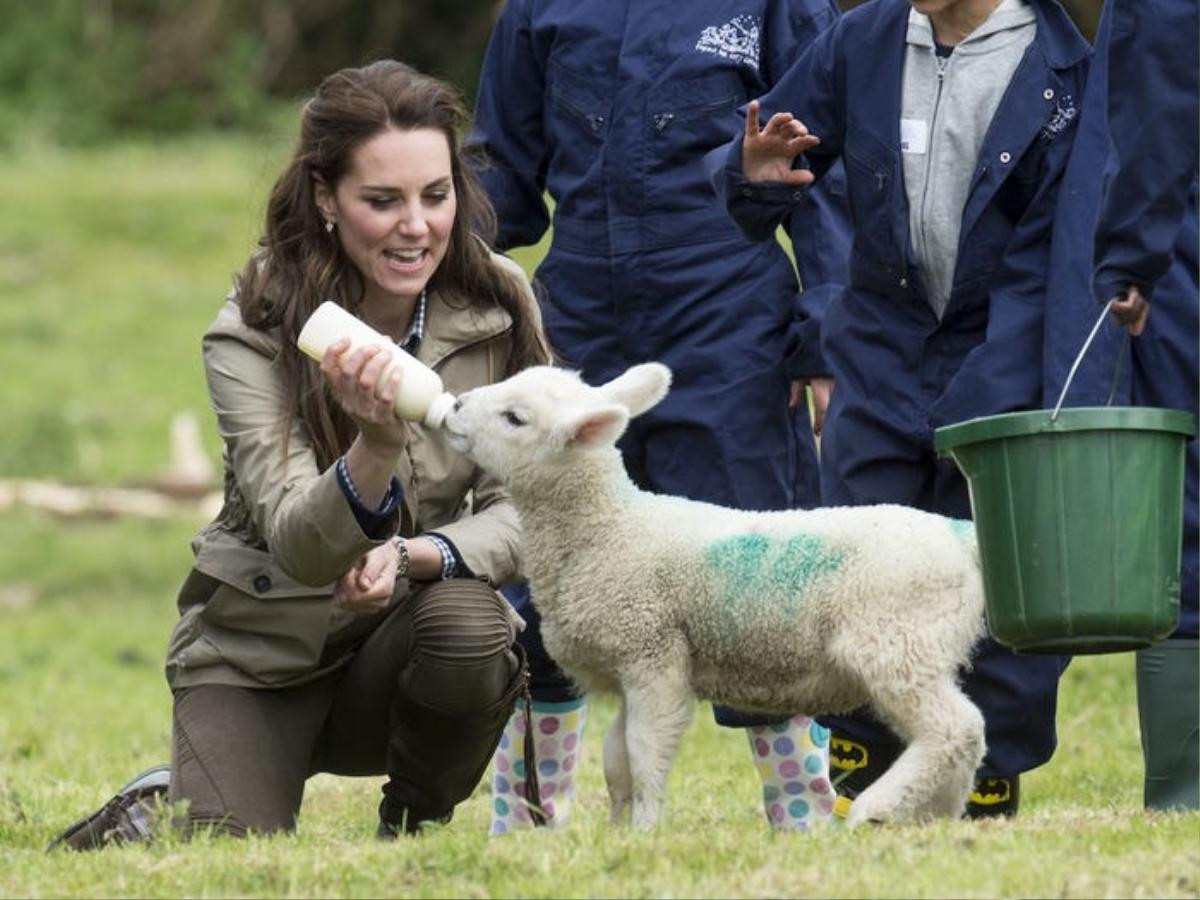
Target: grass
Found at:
111, 264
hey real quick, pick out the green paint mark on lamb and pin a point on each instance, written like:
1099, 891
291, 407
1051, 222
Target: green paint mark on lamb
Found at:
755, 570
964, 528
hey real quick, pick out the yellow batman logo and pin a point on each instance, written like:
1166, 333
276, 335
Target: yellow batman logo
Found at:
991, 791
844, 754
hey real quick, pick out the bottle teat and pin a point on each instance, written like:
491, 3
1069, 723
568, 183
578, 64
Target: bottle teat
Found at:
439, 408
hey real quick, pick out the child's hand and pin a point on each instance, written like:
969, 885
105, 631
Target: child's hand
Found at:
767, 154
1130, 310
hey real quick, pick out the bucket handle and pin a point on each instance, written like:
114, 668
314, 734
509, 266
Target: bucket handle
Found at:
1078, 359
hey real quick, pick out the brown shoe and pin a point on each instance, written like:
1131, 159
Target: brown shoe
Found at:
128, 816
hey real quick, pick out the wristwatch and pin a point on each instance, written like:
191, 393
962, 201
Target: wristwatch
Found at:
405, 560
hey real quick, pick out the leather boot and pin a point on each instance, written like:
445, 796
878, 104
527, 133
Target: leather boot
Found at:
435, 760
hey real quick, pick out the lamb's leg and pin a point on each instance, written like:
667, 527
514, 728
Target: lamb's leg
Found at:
616, 768
659, 709
950, 798
944, 731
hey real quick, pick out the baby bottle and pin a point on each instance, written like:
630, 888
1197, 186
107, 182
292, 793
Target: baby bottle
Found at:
421, 397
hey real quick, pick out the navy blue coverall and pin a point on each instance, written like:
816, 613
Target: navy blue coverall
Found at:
898, 371
1150, 238
609, 106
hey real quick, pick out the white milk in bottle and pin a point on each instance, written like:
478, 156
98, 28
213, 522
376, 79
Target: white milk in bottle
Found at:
421, 398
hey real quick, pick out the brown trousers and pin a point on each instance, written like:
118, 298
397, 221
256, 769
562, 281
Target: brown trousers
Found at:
423, 701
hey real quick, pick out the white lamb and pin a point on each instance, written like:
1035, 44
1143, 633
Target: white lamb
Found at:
661, 599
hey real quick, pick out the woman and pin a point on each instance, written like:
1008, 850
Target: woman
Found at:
340, 616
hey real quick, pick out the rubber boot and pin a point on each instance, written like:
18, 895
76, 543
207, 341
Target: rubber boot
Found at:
557, 730
792, 759
1168, 697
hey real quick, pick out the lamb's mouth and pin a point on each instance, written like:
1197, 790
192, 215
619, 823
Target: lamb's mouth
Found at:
456, 439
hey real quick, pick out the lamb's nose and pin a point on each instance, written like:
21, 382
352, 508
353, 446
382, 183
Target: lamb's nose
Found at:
457, 405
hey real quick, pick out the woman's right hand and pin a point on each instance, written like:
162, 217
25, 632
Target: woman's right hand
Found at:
366, 391
767, 154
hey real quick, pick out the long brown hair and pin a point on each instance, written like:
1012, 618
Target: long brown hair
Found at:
300, 264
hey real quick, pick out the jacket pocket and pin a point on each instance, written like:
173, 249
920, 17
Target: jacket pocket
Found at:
257, 619
273, 641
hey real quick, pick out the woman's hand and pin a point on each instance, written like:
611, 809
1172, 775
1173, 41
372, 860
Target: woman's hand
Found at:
767, 154
364, 388
369, 584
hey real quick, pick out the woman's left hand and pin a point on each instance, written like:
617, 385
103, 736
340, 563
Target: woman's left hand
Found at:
368, 585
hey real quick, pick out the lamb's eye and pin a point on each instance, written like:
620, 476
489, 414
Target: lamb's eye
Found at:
512, 418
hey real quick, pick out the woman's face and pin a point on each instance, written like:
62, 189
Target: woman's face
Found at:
394, 210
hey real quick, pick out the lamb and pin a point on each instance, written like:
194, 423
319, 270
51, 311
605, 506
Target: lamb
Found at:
664, 600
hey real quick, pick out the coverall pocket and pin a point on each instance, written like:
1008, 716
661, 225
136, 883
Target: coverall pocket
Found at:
869, 184
577, 106
689, 117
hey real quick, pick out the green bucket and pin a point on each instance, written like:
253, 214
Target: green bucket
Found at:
1079, 517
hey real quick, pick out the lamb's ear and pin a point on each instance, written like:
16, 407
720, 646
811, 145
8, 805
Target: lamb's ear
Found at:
640, 388
595, 427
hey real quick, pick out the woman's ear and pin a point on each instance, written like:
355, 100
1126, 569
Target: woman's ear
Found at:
326, 203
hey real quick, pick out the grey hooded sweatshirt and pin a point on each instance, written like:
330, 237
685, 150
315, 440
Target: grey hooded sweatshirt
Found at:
946, 107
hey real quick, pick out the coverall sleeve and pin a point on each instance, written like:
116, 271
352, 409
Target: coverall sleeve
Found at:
508, 130
817, 220
1153, 117
809, 90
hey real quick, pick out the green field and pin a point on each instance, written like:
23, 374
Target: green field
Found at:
112, 262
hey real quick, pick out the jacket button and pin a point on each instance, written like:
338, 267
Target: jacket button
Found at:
1048, 94
1006, 157
262, 583
903, 282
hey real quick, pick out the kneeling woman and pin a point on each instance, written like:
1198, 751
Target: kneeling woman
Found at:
340, 616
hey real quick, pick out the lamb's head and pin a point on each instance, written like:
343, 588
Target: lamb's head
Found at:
544, 416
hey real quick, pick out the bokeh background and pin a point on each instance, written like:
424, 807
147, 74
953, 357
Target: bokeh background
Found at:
86, 70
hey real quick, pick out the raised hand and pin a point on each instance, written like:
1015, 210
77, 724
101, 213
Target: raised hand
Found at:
768, 153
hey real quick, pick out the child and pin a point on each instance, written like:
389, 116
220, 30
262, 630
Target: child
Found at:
609, 108
955, 119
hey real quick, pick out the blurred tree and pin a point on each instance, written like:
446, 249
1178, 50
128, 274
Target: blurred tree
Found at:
82, 70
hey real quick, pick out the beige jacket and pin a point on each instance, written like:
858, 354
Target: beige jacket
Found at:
264, 616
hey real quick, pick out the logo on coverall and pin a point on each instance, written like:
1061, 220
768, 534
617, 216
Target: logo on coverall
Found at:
737, 40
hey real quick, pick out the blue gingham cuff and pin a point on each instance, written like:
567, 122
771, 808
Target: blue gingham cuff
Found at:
449, 561
371, 521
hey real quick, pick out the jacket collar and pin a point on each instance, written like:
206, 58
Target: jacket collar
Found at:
1061, 42
453, 322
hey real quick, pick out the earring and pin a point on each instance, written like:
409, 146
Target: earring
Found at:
329, 225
